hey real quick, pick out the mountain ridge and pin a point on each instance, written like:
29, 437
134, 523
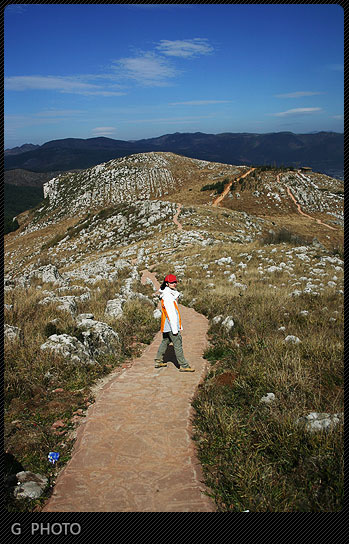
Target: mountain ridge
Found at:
323, 151
171, 178
21, 149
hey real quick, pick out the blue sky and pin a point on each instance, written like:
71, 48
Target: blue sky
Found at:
139, 71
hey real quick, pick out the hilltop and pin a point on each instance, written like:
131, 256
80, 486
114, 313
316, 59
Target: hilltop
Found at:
258, 251
31, 166
133, 198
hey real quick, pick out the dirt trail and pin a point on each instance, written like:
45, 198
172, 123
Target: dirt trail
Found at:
289, 192
175, 218
134, 451
227, 188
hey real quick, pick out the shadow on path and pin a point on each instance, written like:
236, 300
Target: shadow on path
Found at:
170, 356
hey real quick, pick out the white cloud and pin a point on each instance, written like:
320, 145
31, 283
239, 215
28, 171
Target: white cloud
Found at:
41, 118
15, 9
187, 119
103, 131
63, 84
340, 117
199, 102
298, 94
13, 121
146, 69
59, 113
185, 48
296, 111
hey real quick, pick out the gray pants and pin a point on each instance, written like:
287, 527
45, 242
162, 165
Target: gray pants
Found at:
176, 339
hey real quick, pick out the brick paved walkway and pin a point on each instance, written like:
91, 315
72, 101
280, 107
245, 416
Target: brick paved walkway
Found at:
134, 451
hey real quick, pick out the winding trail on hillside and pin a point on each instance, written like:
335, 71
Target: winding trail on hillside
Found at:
134, 451
299, 209
219, 199
175, 217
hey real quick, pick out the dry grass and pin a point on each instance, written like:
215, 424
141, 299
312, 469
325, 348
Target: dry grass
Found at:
42, 387
255, 456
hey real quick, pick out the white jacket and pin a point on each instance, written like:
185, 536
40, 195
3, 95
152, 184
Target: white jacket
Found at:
172, 321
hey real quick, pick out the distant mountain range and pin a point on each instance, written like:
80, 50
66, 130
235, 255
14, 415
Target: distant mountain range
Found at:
22, 149
322, 151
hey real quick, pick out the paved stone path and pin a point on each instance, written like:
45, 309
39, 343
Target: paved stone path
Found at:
134, 451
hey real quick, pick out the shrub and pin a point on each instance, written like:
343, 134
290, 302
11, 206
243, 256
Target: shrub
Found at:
284, 236
217, 187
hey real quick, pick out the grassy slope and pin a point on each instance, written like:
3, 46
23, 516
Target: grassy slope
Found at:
254, 456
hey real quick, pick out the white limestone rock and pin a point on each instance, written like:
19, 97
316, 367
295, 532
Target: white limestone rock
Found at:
268, 399
217, 319
66, 303
148, 281
30, 485
114, 306
224, 260
99, 338
69, 347
242, 286
290, 339
296, 293
13, 334
47, 274
320, 421
272, 269
142, 297
228, 323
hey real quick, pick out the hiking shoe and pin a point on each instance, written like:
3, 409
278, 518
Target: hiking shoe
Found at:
159, 365
186, 369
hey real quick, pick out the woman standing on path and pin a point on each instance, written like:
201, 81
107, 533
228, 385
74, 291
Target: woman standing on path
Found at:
171, 325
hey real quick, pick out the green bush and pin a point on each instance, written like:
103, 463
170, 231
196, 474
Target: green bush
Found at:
218, 187
283, 235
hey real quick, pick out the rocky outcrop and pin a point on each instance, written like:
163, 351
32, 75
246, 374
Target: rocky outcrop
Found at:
29, 485
313, 198
99, 338
47, 274
69, 347
315, 421
66, 303
143, 176
291, 339
13, 334
114, 307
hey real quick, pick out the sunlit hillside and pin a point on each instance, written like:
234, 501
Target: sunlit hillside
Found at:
259, 251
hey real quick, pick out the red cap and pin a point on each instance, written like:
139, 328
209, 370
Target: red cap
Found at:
171, 278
